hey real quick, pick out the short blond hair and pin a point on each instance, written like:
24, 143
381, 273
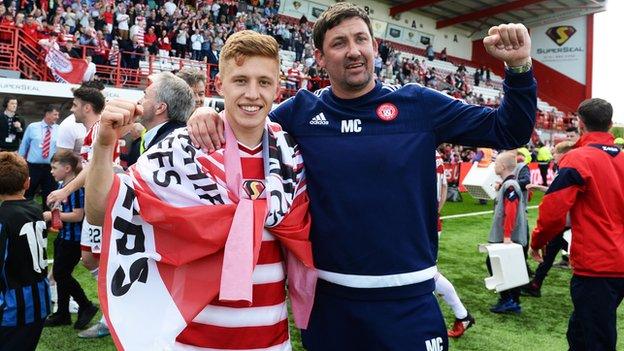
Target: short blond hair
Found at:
507, 159
248, 43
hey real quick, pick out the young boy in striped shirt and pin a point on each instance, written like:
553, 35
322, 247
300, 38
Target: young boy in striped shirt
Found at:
65, 166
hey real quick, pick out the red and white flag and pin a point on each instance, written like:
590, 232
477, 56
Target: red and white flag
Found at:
65, 69
166, 229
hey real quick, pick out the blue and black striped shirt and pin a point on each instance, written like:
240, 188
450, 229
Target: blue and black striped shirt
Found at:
24, 288
71, 231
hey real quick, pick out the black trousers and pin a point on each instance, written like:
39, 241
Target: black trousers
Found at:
552, 249
513, 293
592, 324
66, 257
24, 338
543, 168
40, 177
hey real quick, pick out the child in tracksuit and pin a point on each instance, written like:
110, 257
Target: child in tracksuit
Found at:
24, 288
509, 224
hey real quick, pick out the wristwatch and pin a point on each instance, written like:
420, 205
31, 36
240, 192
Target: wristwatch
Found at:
520, 69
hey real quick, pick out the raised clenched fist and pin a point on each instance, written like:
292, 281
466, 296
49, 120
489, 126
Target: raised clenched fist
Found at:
510, 43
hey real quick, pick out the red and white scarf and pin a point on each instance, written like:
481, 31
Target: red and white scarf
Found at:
181, 229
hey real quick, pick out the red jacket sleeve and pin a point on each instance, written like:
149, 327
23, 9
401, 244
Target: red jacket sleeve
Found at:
510, 204
556, 204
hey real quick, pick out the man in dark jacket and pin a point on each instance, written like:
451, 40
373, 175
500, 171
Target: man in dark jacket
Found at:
11, 127
132, 52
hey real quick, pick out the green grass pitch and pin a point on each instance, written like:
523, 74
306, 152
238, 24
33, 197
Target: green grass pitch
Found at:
541, 325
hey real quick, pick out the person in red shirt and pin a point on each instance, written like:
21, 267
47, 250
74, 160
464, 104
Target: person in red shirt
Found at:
7, 20
590, 186
31, 27
150, 39
108, 19
164, 44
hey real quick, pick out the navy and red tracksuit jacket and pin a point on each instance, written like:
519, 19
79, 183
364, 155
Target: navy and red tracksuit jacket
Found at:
590, 185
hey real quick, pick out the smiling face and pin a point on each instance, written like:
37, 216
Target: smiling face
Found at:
348, 56
199, 93
249, 89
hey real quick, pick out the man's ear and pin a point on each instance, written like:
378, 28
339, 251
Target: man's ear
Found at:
319, 57
218, 84
162, 108
581, 126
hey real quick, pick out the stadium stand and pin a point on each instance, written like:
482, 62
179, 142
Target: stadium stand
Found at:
127, 41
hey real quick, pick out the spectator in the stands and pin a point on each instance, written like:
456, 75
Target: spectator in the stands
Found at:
123, 22
294, 77
164, 44
429, 52
71, 50
197, 40
213, 60
132, 53
443, 55
378, 64
150, 41
89, 74
181, 40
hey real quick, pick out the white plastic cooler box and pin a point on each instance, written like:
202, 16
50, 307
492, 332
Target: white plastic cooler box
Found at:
508, 266
481, 181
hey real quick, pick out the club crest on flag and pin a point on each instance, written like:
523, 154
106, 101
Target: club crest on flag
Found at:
253, 188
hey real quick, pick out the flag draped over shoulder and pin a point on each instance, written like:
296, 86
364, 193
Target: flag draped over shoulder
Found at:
166, 235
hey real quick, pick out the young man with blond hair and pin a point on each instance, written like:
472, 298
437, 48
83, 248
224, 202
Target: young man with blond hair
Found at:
200, 236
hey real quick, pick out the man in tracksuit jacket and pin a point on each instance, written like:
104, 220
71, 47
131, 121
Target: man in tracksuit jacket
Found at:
590, 185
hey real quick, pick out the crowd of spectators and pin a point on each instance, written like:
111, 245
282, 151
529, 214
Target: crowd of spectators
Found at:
456, 153
109, 32
556, 120
126, 32
394, 68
